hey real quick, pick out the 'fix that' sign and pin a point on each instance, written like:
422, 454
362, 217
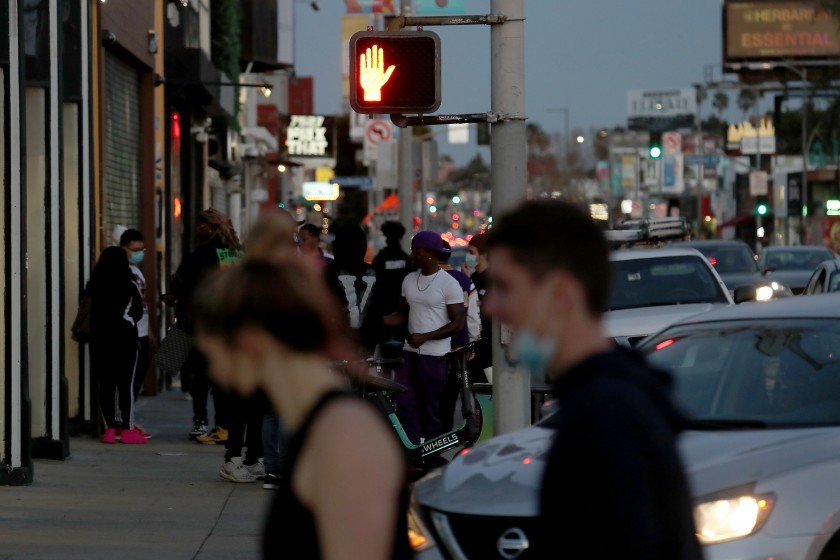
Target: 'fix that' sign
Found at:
310, 136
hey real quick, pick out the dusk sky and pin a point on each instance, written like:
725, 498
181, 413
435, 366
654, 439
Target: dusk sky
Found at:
580, 54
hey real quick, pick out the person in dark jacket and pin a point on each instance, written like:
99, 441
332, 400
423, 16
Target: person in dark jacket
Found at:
353, 281
218, 247
613, 468
391, 265
116, 308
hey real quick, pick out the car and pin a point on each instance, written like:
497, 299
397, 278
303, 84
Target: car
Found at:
736, 264
760, 386
792, 266
652, 288
825, 279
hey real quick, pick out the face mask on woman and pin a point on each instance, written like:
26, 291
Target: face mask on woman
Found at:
471, 260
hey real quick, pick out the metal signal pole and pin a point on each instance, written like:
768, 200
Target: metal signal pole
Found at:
511, 386
405, 191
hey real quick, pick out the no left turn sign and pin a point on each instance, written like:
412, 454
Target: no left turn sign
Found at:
376, 132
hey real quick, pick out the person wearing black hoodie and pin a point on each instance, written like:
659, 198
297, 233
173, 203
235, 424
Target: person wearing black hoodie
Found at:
614, 485
218, 247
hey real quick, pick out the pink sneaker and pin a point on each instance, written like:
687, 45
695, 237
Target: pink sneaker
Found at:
110, 436
130, 436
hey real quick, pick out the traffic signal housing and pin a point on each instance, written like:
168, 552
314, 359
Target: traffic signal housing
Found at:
394, 72
655, 145
761, 207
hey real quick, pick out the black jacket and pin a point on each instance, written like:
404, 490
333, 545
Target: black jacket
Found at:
614, 485
193, 269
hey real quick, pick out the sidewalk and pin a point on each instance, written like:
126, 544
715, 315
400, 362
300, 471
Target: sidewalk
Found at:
162, 500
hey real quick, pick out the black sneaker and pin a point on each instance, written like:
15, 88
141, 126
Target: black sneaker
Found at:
271, 482
199, 429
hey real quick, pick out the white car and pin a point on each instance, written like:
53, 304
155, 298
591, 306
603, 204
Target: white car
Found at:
653, 288
760, 385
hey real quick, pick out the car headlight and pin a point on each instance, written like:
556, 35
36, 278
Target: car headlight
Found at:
729, 519
418, 535
764, 293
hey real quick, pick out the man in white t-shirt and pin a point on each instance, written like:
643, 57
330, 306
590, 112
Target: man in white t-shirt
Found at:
432, 305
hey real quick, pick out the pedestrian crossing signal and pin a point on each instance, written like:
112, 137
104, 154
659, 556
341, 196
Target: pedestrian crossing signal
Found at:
394, 72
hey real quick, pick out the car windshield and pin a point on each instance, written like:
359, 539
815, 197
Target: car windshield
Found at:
776, 373
648, 282
729, 260
796, 260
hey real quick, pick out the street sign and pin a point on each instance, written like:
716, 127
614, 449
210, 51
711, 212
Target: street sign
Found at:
706, 160
362, 182
376, 132
758, 183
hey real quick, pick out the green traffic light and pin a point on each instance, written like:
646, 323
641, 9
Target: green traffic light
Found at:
655, 152
761, 209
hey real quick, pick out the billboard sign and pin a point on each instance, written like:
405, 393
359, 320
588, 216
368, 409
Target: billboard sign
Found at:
773, 30
663, 110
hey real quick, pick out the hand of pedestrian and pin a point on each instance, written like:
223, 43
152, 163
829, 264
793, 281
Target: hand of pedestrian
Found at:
470, 356
416, 340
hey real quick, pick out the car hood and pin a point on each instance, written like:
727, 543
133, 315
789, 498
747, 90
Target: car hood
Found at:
791, 278
502, 476
642, 321
735, 279
717, 460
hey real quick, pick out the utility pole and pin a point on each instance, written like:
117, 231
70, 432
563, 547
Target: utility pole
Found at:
511, 386
405, 191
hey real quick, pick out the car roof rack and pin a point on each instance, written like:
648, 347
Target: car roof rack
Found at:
648, 231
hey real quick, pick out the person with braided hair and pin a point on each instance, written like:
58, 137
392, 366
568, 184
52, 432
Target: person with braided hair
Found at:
218, 248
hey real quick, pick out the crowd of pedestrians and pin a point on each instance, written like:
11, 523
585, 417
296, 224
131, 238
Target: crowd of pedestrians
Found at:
270, 320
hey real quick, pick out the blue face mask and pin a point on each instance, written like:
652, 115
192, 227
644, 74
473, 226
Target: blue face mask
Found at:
534, 354
137, 257
471, 260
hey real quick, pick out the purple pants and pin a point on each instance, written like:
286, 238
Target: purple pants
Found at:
418, 409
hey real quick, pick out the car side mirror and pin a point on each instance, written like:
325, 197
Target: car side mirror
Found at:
744, 293
768, 269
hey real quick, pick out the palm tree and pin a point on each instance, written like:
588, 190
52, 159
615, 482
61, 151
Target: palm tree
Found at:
747, 98
702, 93
720, 102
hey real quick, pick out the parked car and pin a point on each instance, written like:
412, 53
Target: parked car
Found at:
737, 266
653, 288
760, 385
825, 279
793, 266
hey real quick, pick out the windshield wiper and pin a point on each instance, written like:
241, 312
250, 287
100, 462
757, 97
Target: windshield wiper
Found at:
725, 424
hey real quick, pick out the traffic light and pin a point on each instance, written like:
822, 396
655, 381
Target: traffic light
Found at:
394, 72
655, 145
761, 207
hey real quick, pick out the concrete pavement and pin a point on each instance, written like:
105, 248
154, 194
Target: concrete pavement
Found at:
161, 500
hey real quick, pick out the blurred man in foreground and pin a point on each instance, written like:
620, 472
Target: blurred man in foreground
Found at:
613, 465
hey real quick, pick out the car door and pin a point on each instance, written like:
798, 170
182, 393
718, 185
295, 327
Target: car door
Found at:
816, 285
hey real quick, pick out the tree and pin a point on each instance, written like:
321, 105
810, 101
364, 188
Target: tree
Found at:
747, 98
720, 102
702, 93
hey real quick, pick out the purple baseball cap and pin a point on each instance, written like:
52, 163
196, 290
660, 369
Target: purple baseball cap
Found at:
429, 240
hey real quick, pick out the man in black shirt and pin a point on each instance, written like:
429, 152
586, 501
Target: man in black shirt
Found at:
614, 485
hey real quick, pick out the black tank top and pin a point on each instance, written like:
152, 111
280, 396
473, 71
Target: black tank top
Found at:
290, 531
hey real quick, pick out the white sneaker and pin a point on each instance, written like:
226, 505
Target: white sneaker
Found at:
257, 469
235, 471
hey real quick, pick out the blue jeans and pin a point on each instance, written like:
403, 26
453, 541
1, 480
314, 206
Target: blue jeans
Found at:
274, 443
